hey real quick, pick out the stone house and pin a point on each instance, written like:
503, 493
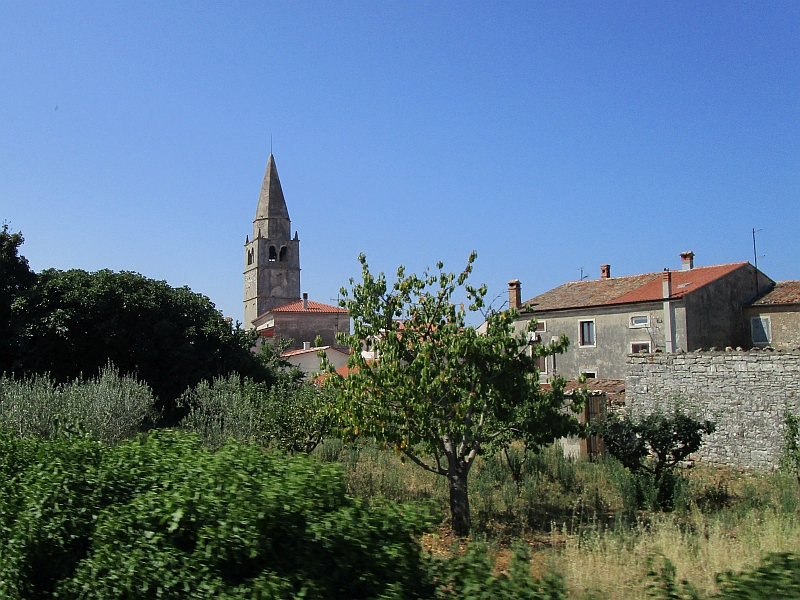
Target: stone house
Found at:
302, 322
272, 301
608, 318
774, 319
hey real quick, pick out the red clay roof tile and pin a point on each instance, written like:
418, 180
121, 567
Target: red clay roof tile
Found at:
629, 289
784, 292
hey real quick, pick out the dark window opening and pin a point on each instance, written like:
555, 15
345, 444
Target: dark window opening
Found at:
283, 254
273, 255
590, 374
250, 257
587, 333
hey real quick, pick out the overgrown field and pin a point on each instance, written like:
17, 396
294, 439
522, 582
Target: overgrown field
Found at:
581, 519
89, 508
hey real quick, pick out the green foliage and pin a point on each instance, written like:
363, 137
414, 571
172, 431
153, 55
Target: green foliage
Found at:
16, 279
162, 517
289, 415
110, 407
440, 393
651, 447
790, 460
471, 575
171, 338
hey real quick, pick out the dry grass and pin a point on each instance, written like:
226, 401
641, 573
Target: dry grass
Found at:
580, 523
615, 565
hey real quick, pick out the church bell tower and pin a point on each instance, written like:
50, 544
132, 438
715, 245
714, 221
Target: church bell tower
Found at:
272, 256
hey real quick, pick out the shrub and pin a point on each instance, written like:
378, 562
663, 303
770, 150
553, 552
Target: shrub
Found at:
110, 407
160, 516
652, 447
290, 416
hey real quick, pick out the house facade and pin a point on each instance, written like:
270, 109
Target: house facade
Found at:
671, 311
307, 358
774, 319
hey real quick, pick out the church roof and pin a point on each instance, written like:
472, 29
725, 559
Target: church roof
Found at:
317, 307
271, 203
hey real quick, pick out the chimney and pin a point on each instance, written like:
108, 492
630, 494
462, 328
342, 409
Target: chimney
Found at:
669, 312
305, 301
605, 271
306, 345
666, 284
514, 294
687, 260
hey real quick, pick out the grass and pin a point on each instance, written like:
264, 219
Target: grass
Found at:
582, 519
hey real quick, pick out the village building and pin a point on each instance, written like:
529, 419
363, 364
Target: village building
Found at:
272, 301
671, 311
774, 319
309, 361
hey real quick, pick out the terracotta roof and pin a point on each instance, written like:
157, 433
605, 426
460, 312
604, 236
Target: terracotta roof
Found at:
344, 371
315, 349
784, 292
318, 307
628, 289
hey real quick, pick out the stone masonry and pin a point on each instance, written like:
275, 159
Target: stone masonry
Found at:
746, 393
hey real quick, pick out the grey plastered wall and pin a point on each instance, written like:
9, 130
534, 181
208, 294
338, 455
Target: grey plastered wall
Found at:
745, 393
613, 336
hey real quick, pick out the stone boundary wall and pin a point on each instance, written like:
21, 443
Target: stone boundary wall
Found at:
746, 393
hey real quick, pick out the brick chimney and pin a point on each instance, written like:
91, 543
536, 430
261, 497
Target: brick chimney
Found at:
666, 284
687, 260
514, 294
605, 271
305, 301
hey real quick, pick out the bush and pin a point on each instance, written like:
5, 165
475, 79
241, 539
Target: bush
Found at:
652, 447
290, 416
110, 407
160, 516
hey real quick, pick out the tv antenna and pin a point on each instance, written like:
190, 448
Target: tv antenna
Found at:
583, 276
756, 257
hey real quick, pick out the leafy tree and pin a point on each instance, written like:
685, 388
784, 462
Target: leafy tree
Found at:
171, 338
16, 279
791, 450
654, 444
440, 392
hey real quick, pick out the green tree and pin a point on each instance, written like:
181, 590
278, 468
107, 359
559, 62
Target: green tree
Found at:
16, 279
171, 338
654, 444
440, 392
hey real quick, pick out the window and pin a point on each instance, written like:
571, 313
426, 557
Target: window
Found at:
541, 365
761, 330
637, 347
589, 374
250, 256
640, 321
273, 255
541, 325
586, 335
283, 254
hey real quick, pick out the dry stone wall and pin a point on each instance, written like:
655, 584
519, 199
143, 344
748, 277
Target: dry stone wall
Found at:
746, 393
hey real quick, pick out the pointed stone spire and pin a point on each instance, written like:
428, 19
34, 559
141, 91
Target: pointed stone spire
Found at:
271, 209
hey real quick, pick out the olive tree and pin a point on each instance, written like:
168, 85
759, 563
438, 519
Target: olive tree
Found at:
439, 392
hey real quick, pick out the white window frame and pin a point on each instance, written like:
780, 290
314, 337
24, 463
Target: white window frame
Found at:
649, 346
580, 333
764, 320
543, 324
633, 325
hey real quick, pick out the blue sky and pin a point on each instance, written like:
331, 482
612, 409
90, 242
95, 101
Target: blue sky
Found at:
548, 136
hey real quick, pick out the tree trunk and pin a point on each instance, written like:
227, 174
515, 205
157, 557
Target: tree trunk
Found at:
459, 501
